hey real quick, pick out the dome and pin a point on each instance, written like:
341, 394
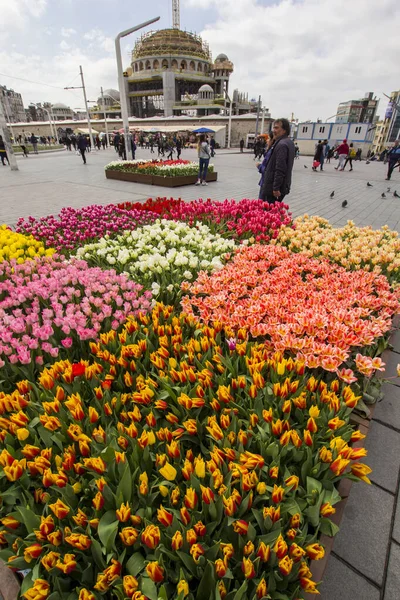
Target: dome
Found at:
60, 105
113, 93
206, 88
171, 41
221, 58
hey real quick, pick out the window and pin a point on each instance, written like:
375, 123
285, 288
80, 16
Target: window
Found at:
358, 130
305, 129
339, 129
321, 129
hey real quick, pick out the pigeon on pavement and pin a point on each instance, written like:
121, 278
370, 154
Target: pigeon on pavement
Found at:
332, 194
395, 194
383, 195
344, 203
388, 190
369, 184
305, 166
367, 162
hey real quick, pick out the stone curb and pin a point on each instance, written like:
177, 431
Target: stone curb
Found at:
344, 488
41, 152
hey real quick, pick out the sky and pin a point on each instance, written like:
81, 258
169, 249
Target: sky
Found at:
301, 56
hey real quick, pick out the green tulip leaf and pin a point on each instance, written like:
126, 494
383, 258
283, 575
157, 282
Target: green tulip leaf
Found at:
108, 529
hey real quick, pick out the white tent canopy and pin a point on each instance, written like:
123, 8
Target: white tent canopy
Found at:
85, 131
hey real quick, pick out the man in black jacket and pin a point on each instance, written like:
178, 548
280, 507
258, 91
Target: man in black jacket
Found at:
82, 145
278, 172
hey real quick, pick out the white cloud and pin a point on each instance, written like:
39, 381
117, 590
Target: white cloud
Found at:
98, 39
64, 45
16, 14
305, 57
93, 34
67, 32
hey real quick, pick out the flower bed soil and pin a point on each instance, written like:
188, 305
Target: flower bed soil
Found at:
157, 179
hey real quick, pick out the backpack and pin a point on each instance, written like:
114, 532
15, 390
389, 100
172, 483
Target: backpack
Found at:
353, 153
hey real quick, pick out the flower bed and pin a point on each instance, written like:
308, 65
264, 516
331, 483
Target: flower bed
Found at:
352, 247
318, 311
74, 227
247, 219
164, 168
49, 306
18, 247
162, 255
151, 453
170, 466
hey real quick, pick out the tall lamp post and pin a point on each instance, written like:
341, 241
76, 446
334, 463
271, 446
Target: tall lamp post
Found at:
121, 82
7, 141
82, 87
227, 98
52, 125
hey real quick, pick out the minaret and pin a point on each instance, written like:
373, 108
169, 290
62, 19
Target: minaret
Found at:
176, 20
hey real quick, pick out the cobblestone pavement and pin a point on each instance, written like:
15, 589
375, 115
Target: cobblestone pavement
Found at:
46, 183
365, 561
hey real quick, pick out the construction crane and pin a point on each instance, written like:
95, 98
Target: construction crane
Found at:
176, 20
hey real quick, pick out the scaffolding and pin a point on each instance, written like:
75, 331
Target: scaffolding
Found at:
171, 41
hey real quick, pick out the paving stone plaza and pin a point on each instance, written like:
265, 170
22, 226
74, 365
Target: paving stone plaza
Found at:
47, 182
366, 552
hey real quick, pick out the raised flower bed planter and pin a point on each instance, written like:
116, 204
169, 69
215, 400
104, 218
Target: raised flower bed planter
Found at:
221, 480
167, 173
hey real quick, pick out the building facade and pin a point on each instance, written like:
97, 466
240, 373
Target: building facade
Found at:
308, 135
61, 112
172, 74
13, 106
108, 104
358, 111
388, 129
241, 126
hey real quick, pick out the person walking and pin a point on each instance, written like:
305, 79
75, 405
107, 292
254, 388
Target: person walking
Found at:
82, 145
241, 144
330, 155
318, 156
34, 141
351, 157
3, 152
121, 148
178, 148
393, 157
23, 148
170, 149
212, 146
116, 142
327, 149
343, 152
278, 172
358, 154
204, 154
104, 141
151, 142
133, 147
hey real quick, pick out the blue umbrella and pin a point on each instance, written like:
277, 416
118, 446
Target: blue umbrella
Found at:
203, 130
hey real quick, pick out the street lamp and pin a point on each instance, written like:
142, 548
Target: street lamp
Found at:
52, 125
121, 82
105, 112
230, 117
